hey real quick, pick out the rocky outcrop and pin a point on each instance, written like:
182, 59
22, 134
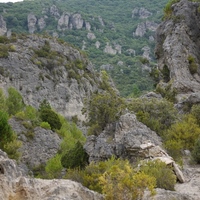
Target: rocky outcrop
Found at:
122, 139
91, 36
32, 20
54, 11
38, 145
41, 23
142, 13
146, 52
110, 50
143, 27
14, 186
64, 80
63, 22
72, 21
178, 50
76, 21
3, 27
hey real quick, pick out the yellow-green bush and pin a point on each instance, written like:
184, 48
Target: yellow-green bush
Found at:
164, 175
115, 178
45, 125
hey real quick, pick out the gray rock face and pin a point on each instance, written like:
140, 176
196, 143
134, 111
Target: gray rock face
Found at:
41, 23
14, 186
3, 28
39, 78
146, 52
142, 13
38, 146
76, 21
63, 22
162, 194
91, 36
176, 41
122, 139
143, 27
110, 50
32, 20
54, 11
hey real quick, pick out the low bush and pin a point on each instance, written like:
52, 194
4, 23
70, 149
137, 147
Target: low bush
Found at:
75, 157
196, 152
164, 175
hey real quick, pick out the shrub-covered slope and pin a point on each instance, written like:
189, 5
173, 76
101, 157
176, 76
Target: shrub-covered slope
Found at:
117, 35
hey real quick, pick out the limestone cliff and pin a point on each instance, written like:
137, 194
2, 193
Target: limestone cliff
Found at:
43, 68
178, 51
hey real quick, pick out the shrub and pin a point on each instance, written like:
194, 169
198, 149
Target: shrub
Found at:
3, 51
195, 111
48, 115
168, 8
196, 152
103, 109
121, 183
76, 157
14, 101
192, 65
45, 125
11, 148
182, 135
6, 133
53, 167
164, 175
115, 178
159, 115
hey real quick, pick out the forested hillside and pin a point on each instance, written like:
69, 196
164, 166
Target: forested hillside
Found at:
118, 36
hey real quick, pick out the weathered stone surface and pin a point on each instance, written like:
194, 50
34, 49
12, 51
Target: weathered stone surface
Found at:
142, 13
54, 11
37, 83
176, 41
162, 194
32, 20
38, 146
91, 36
122, 139
76, 21
41, 23
14, 186
63, 22
3, 28
143, 27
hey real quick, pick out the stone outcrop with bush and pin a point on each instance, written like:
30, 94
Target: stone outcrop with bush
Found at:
177, 51
14, 186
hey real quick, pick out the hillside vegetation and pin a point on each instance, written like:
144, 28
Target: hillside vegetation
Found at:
113, 24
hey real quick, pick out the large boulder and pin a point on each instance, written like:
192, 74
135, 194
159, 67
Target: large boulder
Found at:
14, 186
122, 139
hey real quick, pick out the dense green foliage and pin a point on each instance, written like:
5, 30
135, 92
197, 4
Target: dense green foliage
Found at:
182, 135
103, 108
118, 27
75, 157
157, 114
5, 129
49, 116
14, 101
